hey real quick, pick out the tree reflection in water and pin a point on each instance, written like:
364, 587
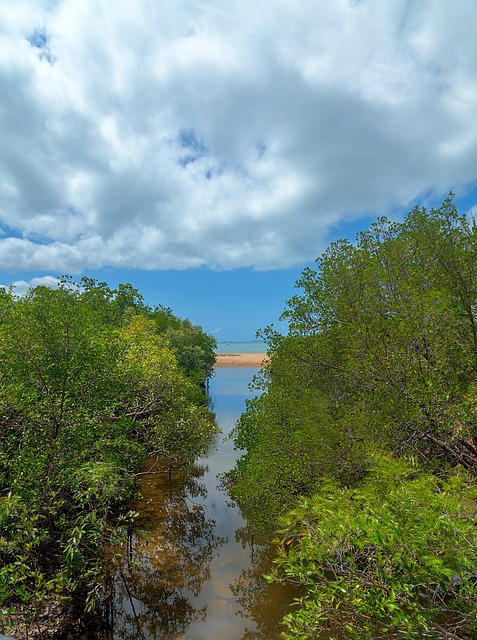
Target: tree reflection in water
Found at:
175, 553
166, 563
266, 604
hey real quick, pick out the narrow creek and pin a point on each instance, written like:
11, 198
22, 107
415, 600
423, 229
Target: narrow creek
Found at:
194, 568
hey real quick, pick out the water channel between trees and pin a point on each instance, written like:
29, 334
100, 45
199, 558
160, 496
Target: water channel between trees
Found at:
194, 567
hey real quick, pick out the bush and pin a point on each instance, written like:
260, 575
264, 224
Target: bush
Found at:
394, 558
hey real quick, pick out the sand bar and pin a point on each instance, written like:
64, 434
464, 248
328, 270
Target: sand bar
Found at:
240, 359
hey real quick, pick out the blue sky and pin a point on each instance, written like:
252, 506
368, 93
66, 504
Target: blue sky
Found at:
206, 152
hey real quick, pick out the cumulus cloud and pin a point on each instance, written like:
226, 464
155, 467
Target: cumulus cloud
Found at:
21, 287
201, 133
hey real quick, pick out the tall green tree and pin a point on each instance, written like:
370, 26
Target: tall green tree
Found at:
88, 388
194, 349
380, 360
381, 349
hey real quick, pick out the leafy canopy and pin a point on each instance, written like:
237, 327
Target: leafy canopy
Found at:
379, 364
90, 383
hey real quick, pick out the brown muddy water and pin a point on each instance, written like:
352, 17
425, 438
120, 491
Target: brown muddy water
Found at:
193, 569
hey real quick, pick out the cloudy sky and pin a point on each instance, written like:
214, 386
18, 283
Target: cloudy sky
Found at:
207, 150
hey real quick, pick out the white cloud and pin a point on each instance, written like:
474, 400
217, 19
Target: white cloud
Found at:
21, 287
174, 135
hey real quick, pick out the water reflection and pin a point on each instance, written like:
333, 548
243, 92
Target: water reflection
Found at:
167, 561
266, 604
193, 569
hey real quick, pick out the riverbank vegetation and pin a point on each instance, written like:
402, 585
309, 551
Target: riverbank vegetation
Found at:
362, 447
91, 381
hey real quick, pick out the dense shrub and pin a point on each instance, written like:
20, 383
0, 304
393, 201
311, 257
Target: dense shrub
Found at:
89, 385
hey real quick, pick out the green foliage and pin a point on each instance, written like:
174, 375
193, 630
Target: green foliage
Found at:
99, 485
393, 558
58, 363
194, 349
172, 422
380, 359
293, 435
381, 354
393, 321
114, 306
88, 387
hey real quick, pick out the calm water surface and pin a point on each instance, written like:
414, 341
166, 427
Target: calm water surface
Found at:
241, 347
194, 567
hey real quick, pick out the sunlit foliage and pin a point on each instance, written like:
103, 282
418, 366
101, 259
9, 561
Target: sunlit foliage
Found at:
393, 558
89, 386
380, 358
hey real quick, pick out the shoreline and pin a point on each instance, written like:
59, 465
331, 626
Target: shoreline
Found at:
240, 360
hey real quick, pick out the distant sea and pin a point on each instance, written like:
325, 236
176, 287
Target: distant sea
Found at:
241, 347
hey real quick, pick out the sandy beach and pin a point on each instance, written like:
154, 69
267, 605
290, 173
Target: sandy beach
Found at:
240, 359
